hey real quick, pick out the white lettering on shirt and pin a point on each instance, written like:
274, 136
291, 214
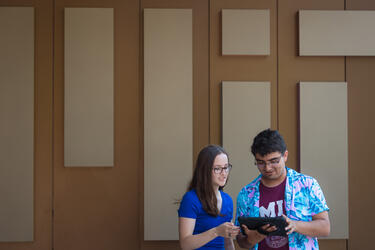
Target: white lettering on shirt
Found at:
270, 211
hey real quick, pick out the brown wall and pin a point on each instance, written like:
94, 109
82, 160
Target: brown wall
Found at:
102, 208
360, 75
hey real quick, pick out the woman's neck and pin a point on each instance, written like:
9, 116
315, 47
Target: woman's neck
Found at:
216, 190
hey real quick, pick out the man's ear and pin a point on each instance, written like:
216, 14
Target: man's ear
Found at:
285, 155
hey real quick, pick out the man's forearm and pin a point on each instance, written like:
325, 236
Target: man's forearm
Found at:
315, 228
228, 244
243, 242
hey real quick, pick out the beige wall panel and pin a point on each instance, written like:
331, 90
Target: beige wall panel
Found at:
200, 93
324, 146
336, 33
17, 123
89, 96
245, 32
168, 118
246, 112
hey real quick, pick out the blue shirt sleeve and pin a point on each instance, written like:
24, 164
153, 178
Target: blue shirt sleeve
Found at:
189, 205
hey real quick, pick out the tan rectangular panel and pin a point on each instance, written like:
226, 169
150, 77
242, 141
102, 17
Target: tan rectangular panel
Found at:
89, 87
245, 32
168, 118
336, 33
17, 123
246, 112
324, 146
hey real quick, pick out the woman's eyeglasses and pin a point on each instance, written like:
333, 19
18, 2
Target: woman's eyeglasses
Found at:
219, 170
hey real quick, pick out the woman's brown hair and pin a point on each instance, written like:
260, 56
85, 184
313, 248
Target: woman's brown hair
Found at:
202, 178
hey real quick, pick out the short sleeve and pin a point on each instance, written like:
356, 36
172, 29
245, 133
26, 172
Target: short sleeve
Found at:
318, 202
189, 206
239, 208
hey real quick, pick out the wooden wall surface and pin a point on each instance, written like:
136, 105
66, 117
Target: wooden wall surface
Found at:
360, 76
102, 208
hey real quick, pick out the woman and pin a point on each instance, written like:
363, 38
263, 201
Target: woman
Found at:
205, 211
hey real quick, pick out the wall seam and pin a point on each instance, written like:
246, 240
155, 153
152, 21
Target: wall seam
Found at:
141, 124
210, 72
345, 79
277, 68
53, 127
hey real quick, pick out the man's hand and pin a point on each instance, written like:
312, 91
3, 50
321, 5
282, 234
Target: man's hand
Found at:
291, 225
253, 237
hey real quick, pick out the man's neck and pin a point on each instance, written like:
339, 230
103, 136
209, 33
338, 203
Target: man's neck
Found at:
273, 183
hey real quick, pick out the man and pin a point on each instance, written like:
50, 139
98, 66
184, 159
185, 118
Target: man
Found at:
277, 191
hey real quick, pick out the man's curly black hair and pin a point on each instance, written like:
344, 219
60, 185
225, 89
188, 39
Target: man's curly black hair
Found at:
268, 141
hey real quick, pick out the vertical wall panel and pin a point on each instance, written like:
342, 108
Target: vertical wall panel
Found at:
17, 123
89, 87
246, 112
324, 146
168, 131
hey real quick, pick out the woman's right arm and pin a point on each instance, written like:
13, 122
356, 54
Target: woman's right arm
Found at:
189, 241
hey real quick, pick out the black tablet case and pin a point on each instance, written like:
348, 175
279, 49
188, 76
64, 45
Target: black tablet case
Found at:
255, 223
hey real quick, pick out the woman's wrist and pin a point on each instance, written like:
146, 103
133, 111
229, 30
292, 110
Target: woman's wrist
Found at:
214, 232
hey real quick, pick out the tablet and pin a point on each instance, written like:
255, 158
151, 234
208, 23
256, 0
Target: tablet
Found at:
255, 223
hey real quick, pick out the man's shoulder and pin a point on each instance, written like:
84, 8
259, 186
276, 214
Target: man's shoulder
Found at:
251, 186
300, 178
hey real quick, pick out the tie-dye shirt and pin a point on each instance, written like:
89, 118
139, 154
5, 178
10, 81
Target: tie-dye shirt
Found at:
303, 199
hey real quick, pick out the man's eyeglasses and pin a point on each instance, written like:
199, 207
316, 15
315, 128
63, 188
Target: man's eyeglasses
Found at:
219, 170
273, 162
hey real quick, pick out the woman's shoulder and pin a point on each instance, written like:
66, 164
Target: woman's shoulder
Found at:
190, 195
190, 205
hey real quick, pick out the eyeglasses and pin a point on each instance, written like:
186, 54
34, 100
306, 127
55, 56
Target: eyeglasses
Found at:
273, 162
219, 170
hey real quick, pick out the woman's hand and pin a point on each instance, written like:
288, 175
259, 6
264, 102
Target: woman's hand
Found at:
227, 230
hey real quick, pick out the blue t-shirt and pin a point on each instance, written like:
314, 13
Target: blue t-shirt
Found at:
191, 207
